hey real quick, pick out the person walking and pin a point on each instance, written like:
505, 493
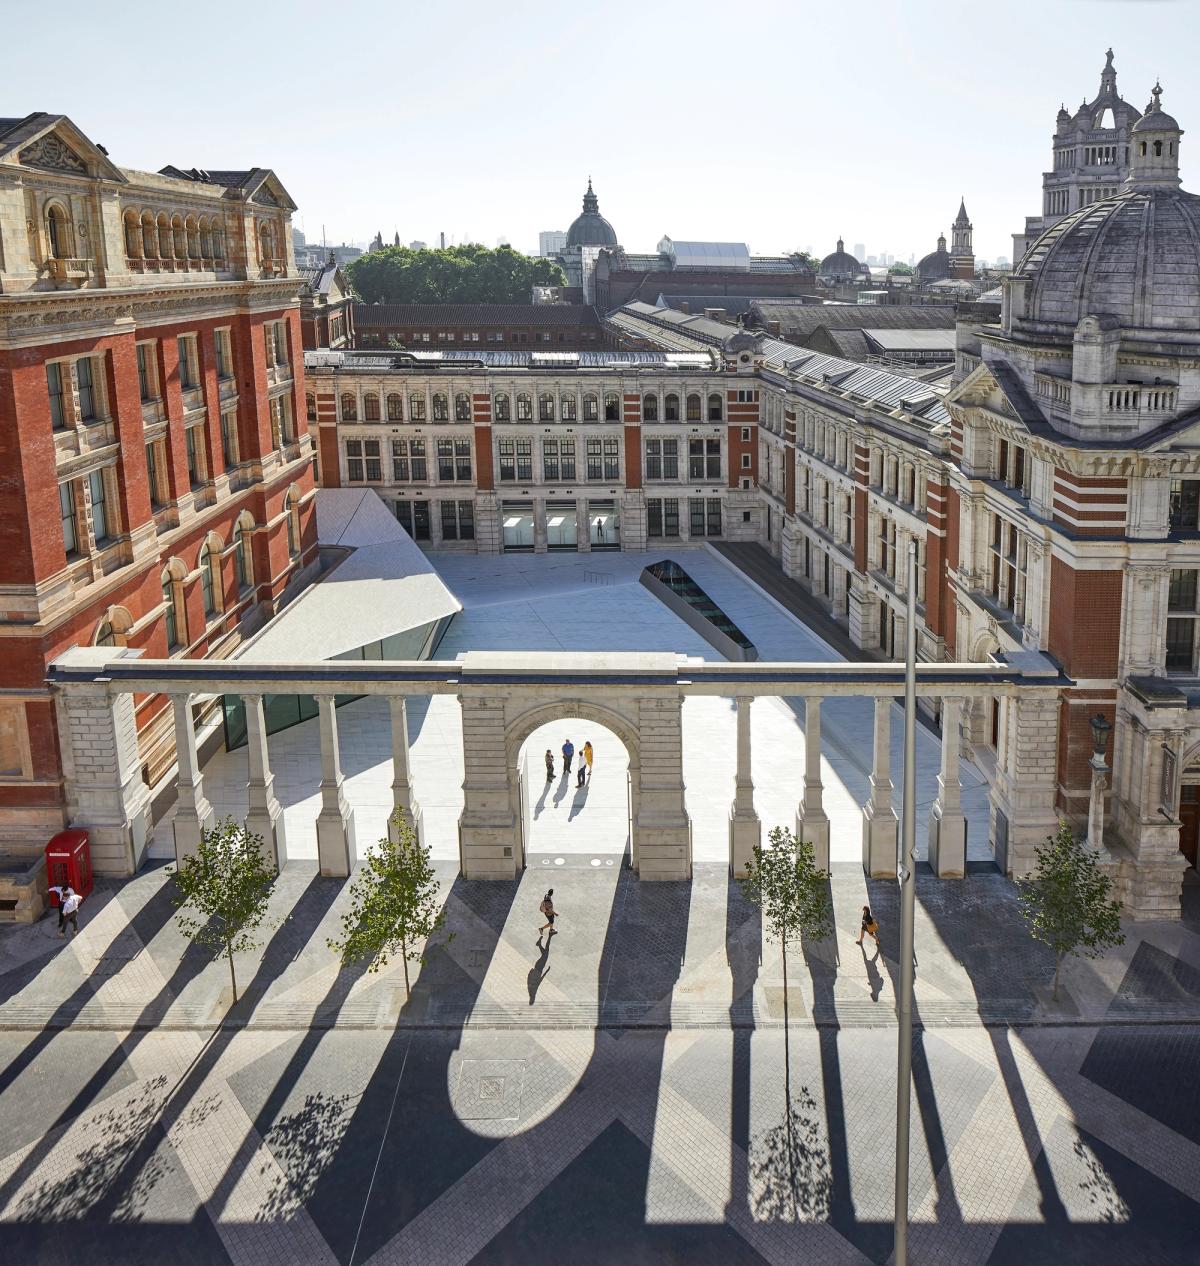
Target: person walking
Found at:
869, 927
69, 902
549, 765
587, 756
547, 908
568, 751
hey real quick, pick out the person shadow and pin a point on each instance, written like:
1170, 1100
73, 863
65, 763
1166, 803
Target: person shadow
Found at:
579, 801
874, 976
540, 803
564, 785
540, 969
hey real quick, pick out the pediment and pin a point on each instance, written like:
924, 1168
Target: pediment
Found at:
980, 389
52, 143
265, 189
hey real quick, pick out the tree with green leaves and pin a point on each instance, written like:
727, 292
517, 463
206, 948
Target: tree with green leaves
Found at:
469, 273
1067, 902
394, 906
793, 895
228, 884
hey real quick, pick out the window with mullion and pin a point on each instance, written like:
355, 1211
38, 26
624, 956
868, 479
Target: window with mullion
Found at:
506, 453
525, 461
445, 460
54, 385
70, 529
550, 461
86, 382
462, 460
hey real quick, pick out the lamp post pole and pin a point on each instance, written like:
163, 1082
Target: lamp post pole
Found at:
905, 874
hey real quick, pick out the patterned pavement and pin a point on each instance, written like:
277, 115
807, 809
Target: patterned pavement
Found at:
628, 1092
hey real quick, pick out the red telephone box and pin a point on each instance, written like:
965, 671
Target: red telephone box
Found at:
69, 861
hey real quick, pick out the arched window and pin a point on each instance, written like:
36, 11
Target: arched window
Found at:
566, 408
206, 249
1158, 149
462, 407
60, 232
164, 236
179, 237
193, 238
395, 407
649, 408
114, 628
266, 238
500, 408
591, 408
546, 406
524, 408
714, 407
133, 236
349, 408
612, 408
693, 408
149, 236
671, 408
208, 580
242, 557
293, 523
441, 407
105, 635
174, 616
310, 406
218, 241
371, 407
416, 408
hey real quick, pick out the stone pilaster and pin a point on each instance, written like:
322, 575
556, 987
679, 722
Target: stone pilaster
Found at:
663, 830
404, 806
265, 817
947, 826
879, 818
489, 831
745, 829
336, 851
193, 814
812, 822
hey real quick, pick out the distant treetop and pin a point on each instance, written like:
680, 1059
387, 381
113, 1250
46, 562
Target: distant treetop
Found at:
454, 274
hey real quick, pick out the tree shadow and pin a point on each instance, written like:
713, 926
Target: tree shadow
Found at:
743, 952
790, 1173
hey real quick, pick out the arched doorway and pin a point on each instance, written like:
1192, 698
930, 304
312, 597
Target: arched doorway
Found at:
560, 821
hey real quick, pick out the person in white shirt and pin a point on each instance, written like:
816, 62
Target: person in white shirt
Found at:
69, 902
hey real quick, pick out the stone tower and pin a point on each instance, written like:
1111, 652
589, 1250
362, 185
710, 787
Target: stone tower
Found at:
962, 253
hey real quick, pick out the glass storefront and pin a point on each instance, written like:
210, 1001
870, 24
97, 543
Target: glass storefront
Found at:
517, 520
604, 525
562, 525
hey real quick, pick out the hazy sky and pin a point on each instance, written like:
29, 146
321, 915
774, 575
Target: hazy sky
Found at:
781, 125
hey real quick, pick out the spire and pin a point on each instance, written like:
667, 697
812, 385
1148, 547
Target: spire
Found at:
962, 217
591, 204
1108, 77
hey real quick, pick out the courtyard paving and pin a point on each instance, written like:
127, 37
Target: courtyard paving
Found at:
641, 1088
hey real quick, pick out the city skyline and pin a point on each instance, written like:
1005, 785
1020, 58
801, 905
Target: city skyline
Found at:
349, 180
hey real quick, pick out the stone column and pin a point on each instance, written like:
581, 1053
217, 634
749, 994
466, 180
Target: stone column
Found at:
662, 828
745, 829
879, 818
489, 828
538, 506
583, 523
336, 853
812, 823
403, 805
947, 826
193, 814
265, 817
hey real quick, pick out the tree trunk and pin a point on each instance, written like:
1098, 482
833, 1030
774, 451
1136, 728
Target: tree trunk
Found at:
783, 946
1058, 959
232, 977
404, 957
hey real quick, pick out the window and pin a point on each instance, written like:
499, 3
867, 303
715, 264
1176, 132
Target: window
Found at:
462, 459
1009, 554
413, 517
649, 408
97, 491
746, 460
595, 466
400, 461
229, 445
546, 407
282, 431
662, 459
591, 408
60, 235
887, 546
145, 387
292, 510
66, 503
1012, 467
171, 621
441, 408
612, 408
416, 408
208, 581
395, 407
524, 408
567, 406
714, 407
550, 461
85, 380
224, 357
671, 408
241, 558
54, 385
567, 453
693, 408
1182, 623
349, 408
612, 459
310, 407
501, 409
654, 459
506, 451
354, 461
445, 456
1185, 505
195, 456
374, 464
189, 378
458, 520
704, 459
416, 451
525, 461
462, 407
704, 516
370, 407
662, 517
278, 333
154, 475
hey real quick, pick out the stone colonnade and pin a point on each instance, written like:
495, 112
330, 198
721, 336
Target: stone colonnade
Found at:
506, 696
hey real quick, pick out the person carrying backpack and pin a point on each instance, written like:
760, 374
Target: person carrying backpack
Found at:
547, 908
869, 927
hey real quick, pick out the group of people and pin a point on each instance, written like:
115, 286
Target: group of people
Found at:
69, 902
586, 756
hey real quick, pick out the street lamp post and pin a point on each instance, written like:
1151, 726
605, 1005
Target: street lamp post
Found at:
1101, 729
906, 864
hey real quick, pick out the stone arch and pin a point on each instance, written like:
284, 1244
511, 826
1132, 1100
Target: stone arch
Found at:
113, 627
979, 710
545, 712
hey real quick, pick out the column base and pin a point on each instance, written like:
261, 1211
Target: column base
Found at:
412, 816
269, 824
487, 850
947, 843
664, 850
745, 832
190, 825
880, 830
814, 830
336, 850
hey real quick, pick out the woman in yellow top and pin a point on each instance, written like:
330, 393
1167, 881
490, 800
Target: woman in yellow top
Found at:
587, 756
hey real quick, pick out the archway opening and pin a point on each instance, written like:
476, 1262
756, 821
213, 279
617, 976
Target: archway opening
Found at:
566, 821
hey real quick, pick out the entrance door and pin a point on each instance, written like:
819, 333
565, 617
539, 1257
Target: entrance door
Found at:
1189, 818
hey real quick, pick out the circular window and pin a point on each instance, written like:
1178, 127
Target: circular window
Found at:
745, 358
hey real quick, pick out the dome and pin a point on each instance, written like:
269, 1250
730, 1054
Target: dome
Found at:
840, 264
936, 265
1135, 257
591, 228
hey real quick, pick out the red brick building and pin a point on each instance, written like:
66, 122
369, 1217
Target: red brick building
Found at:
157, 483
571, 327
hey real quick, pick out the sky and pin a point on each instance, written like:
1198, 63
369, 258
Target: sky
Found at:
783, 125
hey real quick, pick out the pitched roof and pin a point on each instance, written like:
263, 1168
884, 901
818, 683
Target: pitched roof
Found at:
226, 179
483, 314
797, 321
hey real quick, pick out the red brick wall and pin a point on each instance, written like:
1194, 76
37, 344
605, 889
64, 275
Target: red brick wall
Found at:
1085, 619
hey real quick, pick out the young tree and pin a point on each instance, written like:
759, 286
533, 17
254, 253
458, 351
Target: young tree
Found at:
1066, 901
394, 907
228, 884
785, 884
